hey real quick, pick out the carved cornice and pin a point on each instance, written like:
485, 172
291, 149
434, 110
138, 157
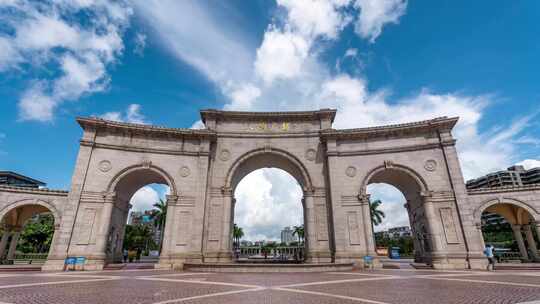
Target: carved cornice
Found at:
399, 130
533, 187
390, 149
92, 123
255, 116
143, 149
33, 190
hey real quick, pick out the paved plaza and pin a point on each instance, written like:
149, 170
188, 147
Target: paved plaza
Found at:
380, 286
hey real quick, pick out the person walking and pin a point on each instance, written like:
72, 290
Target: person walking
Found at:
488, 252
125, 254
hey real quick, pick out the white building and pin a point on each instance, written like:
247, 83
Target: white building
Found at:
287, 235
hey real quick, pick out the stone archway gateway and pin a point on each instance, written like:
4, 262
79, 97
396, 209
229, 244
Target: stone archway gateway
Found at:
333, 167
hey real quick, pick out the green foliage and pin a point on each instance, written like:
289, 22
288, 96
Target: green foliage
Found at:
299, 231
238, 233
499, 234
37, 235
138, 236
159, 217
405, 243
376, 214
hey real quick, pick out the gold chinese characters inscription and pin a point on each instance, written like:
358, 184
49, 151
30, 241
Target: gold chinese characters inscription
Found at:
262, 126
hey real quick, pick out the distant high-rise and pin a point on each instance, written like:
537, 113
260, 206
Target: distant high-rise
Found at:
514, 176
287, 235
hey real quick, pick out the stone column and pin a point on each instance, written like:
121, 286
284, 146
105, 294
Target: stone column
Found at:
431, 221
519, 239
226, 250
13, 244
3, 242
102, 238
310, 236
532, 243
165, 258
368, 225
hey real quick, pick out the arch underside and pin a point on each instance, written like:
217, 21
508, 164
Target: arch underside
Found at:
264, 159
411, 186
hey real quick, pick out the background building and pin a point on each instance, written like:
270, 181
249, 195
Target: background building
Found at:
287, 235
514, 176
9, 178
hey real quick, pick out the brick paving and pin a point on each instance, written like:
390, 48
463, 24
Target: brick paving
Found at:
167, 287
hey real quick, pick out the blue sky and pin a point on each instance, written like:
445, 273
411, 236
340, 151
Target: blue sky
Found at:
159, 62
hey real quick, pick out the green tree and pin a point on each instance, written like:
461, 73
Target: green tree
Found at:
377, 215
238, 233
138, 236
299, 231
159, 215
37, 234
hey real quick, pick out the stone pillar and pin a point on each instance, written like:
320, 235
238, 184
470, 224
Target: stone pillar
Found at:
519, 239
532, 243
368, 225
102, 237
3, 242
431, 220
13, 244
310, 236
165, 258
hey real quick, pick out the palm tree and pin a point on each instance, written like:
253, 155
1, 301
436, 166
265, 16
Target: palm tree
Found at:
376, 214
238, 233
159, 216
299, 231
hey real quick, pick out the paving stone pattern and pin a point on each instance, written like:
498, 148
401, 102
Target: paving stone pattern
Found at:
167, 287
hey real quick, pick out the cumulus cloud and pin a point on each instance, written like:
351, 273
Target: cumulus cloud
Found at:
529, 163
51, 37
144, 199
267, 200
374, 14
132, 115
286, 72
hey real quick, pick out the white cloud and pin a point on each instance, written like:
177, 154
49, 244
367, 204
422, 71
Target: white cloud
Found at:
144, 199
132, 115
189, 31
266, 201
351, 52
316, 18
374, 14
140, 44
392, 204
52, 37
529, 163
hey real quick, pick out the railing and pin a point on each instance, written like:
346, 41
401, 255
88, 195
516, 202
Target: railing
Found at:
283, 253
27, 258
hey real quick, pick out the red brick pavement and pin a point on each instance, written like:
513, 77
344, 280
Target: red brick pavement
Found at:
167, 287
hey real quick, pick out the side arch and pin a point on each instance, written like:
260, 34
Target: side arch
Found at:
156, 175
477, 214
371, 177
264, 157
28, 202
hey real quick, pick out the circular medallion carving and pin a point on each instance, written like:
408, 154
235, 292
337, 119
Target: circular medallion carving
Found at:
104, 166
224, 155
350, 171
430, 165
311, 154
184, 171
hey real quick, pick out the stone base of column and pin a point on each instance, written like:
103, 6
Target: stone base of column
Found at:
358, 260
218, 257
318, 257
449, 261
53, 265
176, 261
478, 263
